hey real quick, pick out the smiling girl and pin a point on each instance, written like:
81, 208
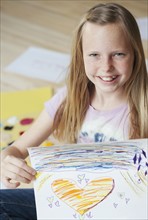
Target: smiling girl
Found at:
105, 99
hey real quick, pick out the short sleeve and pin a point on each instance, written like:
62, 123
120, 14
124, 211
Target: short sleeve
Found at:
53, 104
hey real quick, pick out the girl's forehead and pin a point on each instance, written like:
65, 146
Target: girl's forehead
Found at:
110, 28
108, 35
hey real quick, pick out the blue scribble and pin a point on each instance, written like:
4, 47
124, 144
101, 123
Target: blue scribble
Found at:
144, 153
135, 158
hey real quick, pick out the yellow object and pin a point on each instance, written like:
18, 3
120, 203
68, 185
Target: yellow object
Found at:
83, 199
24, 102
47, 143
20, 105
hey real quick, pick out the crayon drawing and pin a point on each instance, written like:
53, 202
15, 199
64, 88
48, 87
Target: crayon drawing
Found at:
92, 181
82, 199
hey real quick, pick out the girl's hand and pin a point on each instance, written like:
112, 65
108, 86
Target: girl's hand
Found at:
14, 171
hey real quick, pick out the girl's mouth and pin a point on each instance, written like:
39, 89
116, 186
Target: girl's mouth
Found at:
108, 78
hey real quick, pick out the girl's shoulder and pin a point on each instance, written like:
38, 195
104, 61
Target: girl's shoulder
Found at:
53, 103
59, 95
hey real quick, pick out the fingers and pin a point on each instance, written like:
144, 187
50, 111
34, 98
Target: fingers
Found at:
15, 170
9, 184
9, 174
20, 167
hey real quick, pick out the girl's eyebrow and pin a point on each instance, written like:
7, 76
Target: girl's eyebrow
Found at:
113, 51
94, 52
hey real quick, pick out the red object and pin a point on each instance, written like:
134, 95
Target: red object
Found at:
26, 121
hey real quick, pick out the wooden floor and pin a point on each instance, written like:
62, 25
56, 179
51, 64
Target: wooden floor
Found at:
47, 24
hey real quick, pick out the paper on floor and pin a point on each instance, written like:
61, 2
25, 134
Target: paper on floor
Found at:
42, 64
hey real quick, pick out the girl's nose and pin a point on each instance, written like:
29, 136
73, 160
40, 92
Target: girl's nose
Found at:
106, 64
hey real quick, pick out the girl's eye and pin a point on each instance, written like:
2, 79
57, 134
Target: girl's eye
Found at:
93, 55
119, 54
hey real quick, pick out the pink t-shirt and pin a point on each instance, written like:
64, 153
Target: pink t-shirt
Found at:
98, 126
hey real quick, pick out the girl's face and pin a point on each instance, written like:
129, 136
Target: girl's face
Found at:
108, 57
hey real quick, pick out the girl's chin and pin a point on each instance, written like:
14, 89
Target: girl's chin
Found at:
107, 89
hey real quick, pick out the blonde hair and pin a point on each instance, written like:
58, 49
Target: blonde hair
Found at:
71, 114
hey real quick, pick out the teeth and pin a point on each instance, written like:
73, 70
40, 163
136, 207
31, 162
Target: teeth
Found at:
108, 78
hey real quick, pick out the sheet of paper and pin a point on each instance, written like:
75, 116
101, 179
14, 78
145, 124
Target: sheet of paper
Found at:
41, 63
143, 26
91, 181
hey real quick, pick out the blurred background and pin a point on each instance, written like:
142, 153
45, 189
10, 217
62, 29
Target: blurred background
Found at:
49, 25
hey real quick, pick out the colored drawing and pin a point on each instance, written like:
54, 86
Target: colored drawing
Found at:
82, 199
92, 181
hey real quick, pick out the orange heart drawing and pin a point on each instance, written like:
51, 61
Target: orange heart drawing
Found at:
83, 199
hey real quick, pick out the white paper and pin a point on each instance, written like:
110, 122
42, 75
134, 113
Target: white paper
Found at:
42, 64
91, 181
143, 26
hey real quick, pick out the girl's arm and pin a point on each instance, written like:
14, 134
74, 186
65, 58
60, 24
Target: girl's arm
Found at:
13, 166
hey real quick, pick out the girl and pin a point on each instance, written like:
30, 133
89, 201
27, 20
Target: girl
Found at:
105, 99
